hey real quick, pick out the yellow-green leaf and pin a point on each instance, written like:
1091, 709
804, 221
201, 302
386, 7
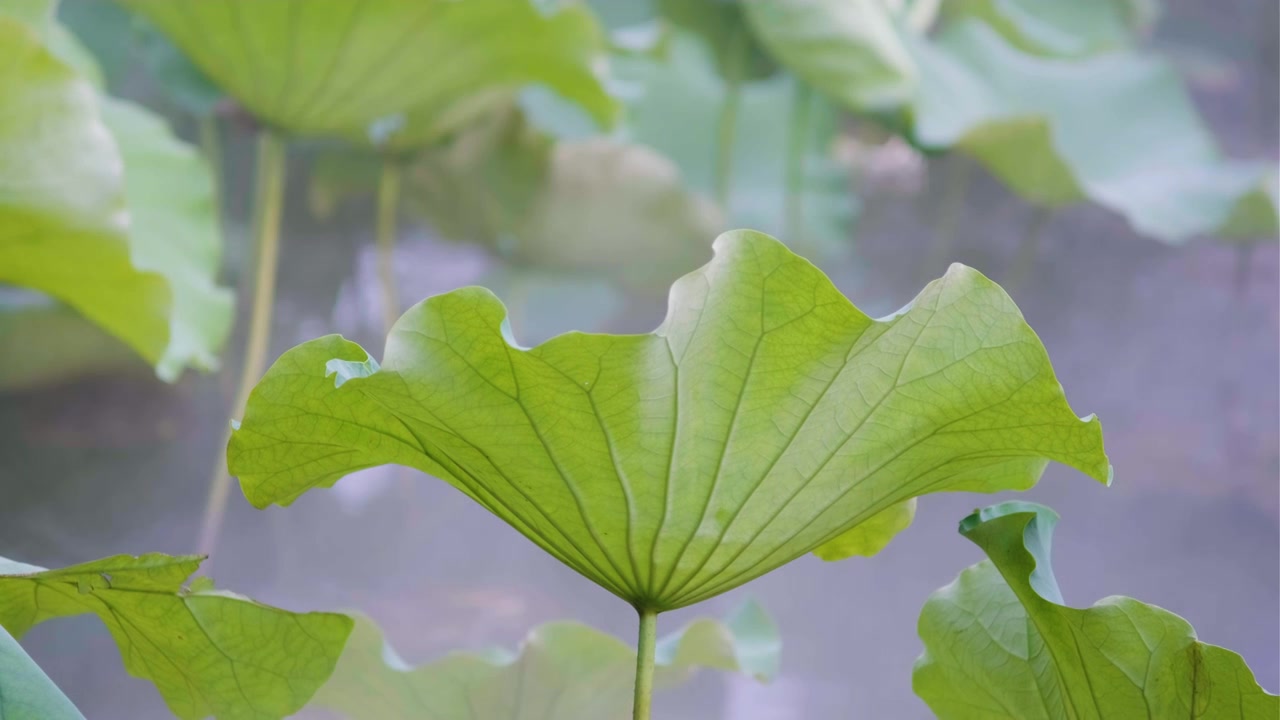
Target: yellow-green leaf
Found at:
399, 73
765, 417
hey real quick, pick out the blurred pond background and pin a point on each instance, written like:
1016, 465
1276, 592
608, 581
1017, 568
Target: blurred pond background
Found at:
1177, 349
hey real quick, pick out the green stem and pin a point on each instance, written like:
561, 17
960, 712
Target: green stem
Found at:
728, 124
268, 202
1028, 250
641, 708
955, 189
388, 208
797, 149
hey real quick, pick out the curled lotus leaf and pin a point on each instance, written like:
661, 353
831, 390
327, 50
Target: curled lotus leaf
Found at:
1000, 642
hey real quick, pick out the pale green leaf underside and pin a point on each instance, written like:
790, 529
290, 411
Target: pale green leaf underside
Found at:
102, 208
26, 693
764, 417
422, 68
563, 671
851, 50
207, 652
999, 643
1117, 129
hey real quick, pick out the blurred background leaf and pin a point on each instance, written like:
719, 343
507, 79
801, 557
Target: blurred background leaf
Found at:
563, 670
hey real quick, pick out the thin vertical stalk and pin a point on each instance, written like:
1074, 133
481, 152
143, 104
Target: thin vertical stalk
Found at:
642, 707
735, 69
267, 204
387, 229
797, 149
1028, 250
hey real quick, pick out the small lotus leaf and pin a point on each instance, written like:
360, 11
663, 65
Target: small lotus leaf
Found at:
1000, 643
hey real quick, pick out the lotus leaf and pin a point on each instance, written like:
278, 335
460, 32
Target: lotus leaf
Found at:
764, 418
208, 652
564, 670
355, 68
1000, 643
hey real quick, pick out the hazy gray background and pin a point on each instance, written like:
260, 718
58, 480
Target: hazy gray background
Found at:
1179, 361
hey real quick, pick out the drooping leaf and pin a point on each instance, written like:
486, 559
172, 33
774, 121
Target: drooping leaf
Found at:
676, 112
63, 223
763, 418
103, 208
1117, 129
564, 670
851, 50
1070, 29
26, 693
999, 643
372, 69
208, 652
174, 231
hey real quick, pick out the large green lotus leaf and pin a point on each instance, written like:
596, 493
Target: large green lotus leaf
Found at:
372, 69
764, 417
676, 112
1117, 129
999, 643
1063, 29
852, 50
105, 210
207, 652
564, 670
26, 693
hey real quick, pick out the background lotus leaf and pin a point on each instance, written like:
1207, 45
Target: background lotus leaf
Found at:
563, 670
354, 69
